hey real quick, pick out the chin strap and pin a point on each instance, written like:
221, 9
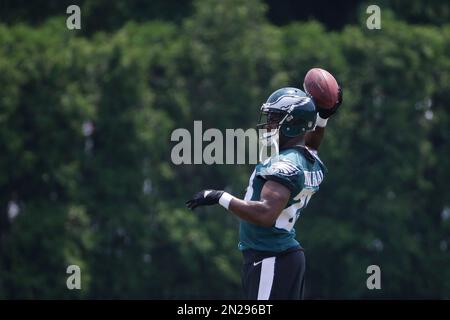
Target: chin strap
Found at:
268, 140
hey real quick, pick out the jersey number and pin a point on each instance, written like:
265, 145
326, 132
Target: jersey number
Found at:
289, 216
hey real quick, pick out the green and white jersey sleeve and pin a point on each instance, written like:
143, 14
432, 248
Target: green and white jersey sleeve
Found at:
285, 171
299, 171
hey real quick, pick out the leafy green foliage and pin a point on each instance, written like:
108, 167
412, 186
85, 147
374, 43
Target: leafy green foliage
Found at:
85, 141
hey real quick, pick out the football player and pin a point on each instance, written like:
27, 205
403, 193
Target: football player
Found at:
278, 191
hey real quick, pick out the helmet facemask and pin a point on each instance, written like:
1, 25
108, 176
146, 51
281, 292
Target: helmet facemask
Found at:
269, 130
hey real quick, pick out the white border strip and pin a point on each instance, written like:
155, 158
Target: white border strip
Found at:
266, 278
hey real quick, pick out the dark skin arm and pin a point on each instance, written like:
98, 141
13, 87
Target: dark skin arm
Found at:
314, 138
274, 197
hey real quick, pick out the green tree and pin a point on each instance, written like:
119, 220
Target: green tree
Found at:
42, 109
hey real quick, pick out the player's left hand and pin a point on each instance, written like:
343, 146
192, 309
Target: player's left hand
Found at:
326, 113
204, 198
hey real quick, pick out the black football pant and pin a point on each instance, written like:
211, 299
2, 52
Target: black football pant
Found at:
273, 276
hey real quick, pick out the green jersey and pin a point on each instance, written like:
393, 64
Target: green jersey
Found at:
301, 171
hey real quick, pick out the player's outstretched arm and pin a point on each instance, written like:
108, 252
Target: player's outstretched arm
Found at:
274, 197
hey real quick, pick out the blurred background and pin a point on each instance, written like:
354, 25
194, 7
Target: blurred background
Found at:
86, 117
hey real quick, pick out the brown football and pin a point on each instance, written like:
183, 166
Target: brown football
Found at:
322, 86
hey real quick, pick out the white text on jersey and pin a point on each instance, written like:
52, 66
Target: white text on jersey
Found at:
313, 178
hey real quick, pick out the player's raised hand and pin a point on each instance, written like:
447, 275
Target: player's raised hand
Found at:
326, 113
204, 198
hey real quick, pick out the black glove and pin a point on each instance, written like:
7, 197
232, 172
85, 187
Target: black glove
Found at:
204, 198
326, 113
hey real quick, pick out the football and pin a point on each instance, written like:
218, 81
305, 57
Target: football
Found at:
322, 86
